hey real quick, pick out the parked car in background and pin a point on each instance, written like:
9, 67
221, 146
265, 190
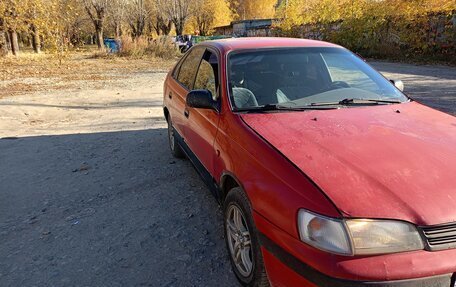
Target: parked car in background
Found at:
328, 174
184, 42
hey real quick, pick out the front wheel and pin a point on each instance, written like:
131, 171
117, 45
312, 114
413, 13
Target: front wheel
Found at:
242, 240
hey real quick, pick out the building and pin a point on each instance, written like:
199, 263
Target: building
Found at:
247, 28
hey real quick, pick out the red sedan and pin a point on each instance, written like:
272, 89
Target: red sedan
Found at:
327, 173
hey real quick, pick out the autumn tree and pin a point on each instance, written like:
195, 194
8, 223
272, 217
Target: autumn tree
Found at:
158, 21
117, 15
97, 9
137, 16
210, 13
253, 9
55, 26
178, 11
163, 25
3, 43
13, 21
35, 21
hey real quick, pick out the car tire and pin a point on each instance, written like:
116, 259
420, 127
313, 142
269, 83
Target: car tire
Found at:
241, 239
174, 146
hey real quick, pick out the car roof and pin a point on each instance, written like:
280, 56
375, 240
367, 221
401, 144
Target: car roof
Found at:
232, 44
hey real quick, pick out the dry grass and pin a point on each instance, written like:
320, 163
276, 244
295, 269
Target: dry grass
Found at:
161, 47
31, 72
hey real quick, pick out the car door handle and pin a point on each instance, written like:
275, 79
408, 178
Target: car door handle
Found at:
170, 95
186, 113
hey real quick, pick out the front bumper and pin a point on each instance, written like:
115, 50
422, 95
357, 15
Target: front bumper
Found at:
290, 262
286, 270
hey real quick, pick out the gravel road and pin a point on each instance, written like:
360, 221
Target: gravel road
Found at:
90, 196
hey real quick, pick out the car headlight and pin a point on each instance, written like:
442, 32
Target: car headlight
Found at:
383, 236
324, 233
357, 236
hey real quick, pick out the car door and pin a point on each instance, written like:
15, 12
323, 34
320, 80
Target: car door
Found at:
182, 83
202, 124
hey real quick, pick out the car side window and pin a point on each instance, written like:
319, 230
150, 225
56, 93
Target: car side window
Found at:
206, 77
176, 69
187, 71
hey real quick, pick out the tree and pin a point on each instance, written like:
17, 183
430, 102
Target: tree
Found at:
13, 21
297, 12
3, 43
34, 20
162, 25
178, 11
36, 42
253, 9
157, 20
96, 9
137, 15
117, 13
210, 13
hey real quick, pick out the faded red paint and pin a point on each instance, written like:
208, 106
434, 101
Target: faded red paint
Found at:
387, 161
393, 161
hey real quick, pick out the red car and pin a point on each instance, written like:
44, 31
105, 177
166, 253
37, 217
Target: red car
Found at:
327, 173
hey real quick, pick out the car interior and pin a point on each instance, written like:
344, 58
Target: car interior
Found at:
270, 79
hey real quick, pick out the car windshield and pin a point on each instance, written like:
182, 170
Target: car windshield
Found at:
305, 77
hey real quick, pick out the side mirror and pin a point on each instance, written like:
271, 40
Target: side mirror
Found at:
201, 99
399, 84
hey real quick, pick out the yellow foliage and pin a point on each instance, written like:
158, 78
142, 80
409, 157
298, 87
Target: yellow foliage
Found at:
253, 9
299, 12
208, 14
222, 13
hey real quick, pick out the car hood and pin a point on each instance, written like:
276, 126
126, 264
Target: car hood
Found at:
390, 161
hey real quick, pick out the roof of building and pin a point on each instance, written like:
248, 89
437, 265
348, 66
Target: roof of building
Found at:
252, 20
223, 27
245, 21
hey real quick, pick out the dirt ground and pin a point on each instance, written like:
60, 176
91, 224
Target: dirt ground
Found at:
90, 195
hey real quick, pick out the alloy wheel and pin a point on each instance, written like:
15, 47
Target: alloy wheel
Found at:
239, 240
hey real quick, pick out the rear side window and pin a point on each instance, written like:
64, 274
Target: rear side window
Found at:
206, 78
189, 66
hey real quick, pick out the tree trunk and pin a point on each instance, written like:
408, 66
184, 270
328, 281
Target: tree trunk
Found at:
165, 27
168, 27
202, 27
179, 26
100, 37
3, 45
8, 42
118, 29
36, 43
14, 42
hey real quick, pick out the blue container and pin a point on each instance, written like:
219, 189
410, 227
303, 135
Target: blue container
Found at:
113, 45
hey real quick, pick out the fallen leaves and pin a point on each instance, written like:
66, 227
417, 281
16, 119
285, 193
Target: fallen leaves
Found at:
30, 73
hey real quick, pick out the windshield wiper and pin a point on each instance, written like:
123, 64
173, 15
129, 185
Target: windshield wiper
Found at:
350, 101
279, 107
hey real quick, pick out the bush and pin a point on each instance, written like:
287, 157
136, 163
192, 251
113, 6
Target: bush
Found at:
162, 47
